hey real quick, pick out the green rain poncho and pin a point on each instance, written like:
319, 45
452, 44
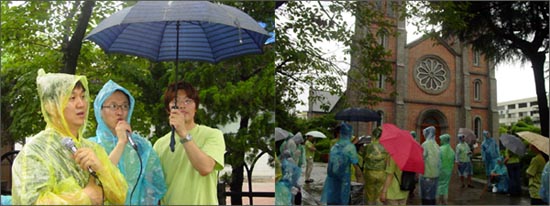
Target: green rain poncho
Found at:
45, 172
447, 155
374, 169
151, 186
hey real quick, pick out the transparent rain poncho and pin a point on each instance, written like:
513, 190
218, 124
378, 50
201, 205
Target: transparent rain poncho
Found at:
338, 181
489, 152
290, 175
432, 164
545, 183
151, 185
44, 172
502, 179
374, 168
447, 163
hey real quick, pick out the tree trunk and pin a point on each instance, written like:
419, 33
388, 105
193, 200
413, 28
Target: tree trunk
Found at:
72, 49
537, 62
237, 174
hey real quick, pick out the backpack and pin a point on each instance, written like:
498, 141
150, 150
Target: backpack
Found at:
408, 180
337, 162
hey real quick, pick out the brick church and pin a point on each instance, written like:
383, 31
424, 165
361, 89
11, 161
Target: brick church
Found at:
441, 83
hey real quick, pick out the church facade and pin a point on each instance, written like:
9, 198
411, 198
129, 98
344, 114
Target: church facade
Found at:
438, 82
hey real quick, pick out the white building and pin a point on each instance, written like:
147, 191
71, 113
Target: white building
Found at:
512, 111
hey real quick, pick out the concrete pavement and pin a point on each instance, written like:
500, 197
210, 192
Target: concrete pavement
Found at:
457, 196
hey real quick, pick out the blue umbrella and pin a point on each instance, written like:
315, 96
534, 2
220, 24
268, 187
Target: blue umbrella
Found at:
513, 144
180, 30
357, 114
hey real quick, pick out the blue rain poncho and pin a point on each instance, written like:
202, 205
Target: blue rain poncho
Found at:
338, 181
545, 182
45, 172
489, 152
151, 185
447, 163
500, 176
290, 175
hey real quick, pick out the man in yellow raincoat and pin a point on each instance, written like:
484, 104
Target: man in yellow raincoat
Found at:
45, 171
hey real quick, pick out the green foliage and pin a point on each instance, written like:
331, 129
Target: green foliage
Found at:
524, 124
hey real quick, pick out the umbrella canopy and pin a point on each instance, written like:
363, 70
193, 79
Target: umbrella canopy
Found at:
357, 114
469, 136
207, 31
281, 134
537, 140
316, 134
180, 30
403, 149
513, 144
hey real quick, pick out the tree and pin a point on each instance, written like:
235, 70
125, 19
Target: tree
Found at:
499, 29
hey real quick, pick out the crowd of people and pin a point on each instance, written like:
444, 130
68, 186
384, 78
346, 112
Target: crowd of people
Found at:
381, 176
117, 166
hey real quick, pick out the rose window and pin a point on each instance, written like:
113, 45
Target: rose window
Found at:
431, 75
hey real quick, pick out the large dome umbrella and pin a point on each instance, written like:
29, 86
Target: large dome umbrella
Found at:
357, 115
180, 30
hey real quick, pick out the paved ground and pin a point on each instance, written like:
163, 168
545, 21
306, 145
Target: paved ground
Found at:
263, 180
457, 195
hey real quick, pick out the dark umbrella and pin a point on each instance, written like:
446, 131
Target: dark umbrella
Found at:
469, 136
357, 114
180, 30
513, 144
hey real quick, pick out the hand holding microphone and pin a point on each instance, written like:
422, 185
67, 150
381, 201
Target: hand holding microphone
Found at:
124, 133
85, 157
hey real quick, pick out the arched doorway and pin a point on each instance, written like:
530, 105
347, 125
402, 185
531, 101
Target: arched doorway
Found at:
432, 117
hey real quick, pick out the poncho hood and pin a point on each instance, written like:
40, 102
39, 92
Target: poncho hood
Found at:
54, 91
103, 132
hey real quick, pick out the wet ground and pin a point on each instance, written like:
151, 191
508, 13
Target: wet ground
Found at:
457, 195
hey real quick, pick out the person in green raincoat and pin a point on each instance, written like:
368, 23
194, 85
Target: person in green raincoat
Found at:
432, 163
447, 155
113, 107
534, 173
46, 172
374, 169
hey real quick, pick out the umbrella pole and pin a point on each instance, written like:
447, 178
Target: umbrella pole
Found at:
172, 138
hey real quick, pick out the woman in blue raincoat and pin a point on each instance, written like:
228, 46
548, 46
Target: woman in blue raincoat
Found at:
140, 165
545, 183
288, 186
499, 175
58, 166
336, 190
489, 153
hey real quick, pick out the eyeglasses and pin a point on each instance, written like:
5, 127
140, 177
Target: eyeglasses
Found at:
115, 107
185, 101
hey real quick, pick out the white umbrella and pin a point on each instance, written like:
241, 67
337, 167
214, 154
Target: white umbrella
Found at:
316, 134
281, 134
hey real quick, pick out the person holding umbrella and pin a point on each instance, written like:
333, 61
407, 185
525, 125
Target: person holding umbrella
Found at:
534, 173
191, 171
137, 161
513, 165
60, 166
489, 154
310, 153
432, 163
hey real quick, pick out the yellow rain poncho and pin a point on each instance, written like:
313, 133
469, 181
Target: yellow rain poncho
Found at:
45, 172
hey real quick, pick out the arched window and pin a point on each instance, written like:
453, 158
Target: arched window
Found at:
381, 80
477, 90
477, 126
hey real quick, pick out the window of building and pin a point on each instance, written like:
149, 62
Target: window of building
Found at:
511, 115
520, 114
522, 105
379, 123
381, 80
534, 103
511, 106
477, 126
383, 38
534, 113
477, 56
477, 90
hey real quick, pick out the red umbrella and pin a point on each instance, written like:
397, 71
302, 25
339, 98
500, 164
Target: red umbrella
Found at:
403, 149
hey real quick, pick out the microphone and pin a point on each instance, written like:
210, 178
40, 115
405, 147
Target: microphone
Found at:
69, 144
132, 143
